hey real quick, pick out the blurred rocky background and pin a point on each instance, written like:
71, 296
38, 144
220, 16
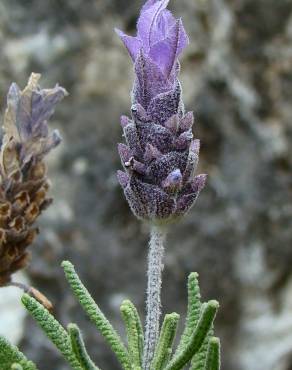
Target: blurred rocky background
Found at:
237, 76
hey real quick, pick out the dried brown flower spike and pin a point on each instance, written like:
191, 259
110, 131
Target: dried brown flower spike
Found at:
23, 176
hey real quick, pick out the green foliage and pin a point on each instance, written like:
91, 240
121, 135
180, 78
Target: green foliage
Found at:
16, 367
213, 357
196, 339
52, 328
166, 338
138, 326
199, 360
195, 307
79, 348
12, 358
196, 347
132, 324
96, 316
193, 311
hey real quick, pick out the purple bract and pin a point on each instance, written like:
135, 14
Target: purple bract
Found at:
161, 156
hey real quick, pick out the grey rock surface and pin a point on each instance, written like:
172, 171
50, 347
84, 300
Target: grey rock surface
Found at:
237, 77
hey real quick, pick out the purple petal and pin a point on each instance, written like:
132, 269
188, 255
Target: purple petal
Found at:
148, 30
23, 118
43, 106
165, 22
148, 4
165, 52
133, 44
178, 37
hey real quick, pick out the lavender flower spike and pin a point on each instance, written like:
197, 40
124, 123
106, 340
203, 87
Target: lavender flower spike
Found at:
161, 156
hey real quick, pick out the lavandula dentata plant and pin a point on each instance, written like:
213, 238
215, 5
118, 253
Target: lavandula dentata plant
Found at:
161, 155
159, 182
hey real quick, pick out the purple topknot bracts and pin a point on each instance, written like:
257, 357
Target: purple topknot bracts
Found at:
161, 156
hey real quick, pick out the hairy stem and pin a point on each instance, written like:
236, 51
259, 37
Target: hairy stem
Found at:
153, 302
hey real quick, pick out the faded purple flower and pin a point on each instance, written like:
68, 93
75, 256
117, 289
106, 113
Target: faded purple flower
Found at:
27, 115
161, 156
23, 179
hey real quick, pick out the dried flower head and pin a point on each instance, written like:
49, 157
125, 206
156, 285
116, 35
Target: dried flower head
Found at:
23, 182
161, 156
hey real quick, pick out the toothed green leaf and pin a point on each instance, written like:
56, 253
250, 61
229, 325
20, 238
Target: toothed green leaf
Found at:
197, 337
193, 311
11, 356
213, 356
166, 338
139, 327
130, 320
52, 328
79, 348
199, 359
96, 315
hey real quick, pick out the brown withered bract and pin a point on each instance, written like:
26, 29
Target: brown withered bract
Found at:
40, 298
23, 174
